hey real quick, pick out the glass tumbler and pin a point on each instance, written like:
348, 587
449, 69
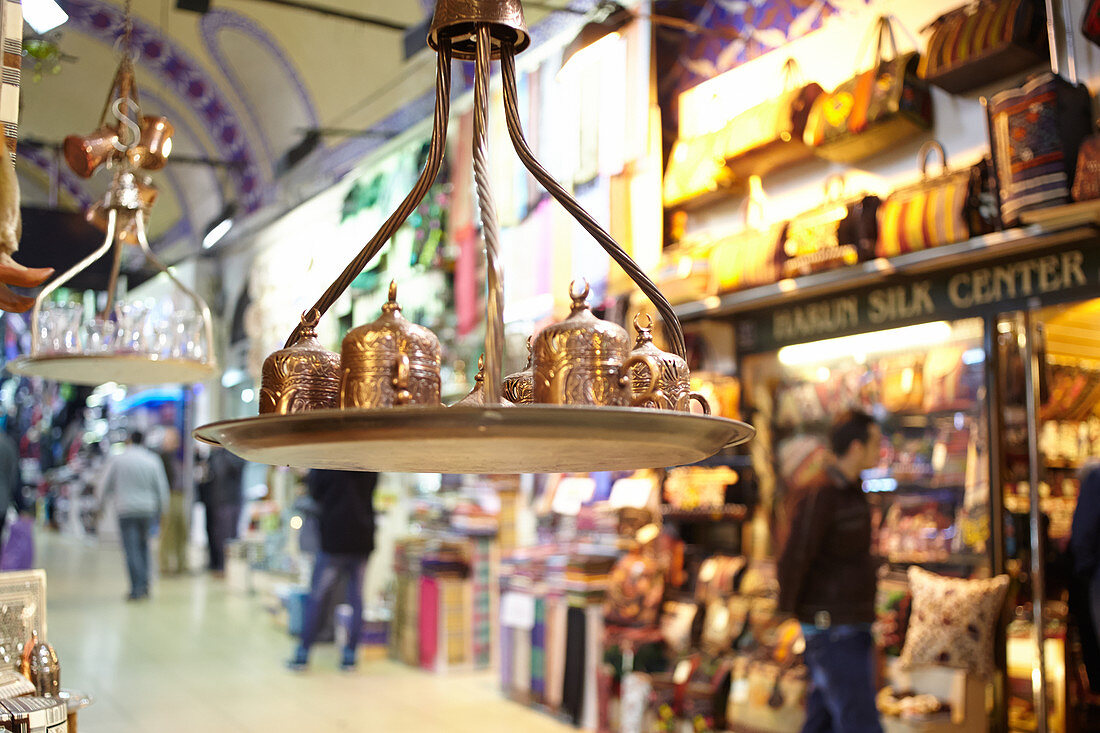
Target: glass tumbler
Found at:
133, 321
99, 335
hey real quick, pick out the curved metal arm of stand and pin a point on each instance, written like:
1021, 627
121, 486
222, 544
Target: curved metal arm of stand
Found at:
36, 336
617, 253
490, 227
207, 321
420, 190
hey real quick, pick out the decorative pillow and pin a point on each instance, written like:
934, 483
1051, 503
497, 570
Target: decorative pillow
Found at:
952, 621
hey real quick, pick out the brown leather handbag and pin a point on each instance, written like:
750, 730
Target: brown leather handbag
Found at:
983, 42
1086, 181
840, 232
951, 207
751, 257
770, 135
874, 110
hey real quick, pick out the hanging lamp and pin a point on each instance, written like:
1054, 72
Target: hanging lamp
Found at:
119, 347
386, 416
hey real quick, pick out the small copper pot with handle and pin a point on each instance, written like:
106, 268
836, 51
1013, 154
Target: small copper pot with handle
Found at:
390, 362
584, 360
519, 388
675, 379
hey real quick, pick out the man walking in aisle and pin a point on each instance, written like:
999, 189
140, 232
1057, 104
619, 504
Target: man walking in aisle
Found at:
346, 501
827, 579
135, 481
222, 493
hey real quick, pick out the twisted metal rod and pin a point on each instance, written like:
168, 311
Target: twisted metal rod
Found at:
617, 253
427, 178
490, 228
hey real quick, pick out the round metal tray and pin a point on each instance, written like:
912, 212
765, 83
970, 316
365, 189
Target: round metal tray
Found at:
96, 369
520, 439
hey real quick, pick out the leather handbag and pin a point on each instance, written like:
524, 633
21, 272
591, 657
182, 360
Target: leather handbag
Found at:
696, 173
770, 135
749, 258
875, 109
902, 384
683, 272
635, 588
982, 42
1086, 179
951, 207
1090, 24
840, 232
1036, 131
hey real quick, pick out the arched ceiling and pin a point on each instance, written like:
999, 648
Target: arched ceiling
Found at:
241, 83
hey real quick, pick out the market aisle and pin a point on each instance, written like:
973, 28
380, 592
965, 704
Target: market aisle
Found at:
197, 657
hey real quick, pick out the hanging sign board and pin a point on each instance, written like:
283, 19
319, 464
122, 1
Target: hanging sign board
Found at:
1049, 277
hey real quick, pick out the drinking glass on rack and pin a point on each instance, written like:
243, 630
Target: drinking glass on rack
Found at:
133, 321
59, 328
99, 335
186, 335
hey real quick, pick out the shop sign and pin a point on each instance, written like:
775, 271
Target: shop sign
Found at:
989, 288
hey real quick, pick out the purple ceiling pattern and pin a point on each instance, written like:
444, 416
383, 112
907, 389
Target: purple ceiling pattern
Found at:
216, 21
184, 75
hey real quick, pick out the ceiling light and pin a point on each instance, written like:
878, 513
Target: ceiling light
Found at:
43, 15
219, 227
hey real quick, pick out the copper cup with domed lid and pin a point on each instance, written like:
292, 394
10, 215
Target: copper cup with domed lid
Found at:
390, 362
675, 379
304, 376
585, 360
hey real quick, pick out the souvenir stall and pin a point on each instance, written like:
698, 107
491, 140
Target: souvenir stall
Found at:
924, 287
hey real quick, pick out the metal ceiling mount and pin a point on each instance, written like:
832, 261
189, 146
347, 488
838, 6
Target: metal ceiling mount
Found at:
495, 437
459, 21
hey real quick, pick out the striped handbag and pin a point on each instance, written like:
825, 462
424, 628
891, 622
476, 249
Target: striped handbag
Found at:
982, 42
951, 207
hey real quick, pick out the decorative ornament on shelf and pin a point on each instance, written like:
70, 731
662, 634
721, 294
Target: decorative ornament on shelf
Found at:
121, 343
390, 417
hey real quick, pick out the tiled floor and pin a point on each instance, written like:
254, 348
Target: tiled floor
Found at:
196, 657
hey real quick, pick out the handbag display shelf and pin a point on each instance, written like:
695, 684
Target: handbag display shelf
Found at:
951, 207
880, 270
880, 106
980, 43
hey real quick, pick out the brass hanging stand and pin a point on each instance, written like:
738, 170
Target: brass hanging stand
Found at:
486, 438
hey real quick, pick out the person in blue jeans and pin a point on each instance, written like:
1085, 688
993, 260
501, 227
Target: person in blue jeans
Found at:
827, 579
346, 503
137, 484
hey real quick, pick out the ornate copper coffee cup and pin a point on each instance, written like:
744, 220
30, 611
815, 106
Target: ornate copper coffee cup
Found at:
390, 362
675, 379
519, 388
584, 360
86, 153
302, 377
155, 144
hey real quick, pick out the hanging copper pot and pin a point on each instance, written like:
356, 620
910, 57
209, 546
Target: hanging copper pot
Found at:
127, 229
155, 144
86, 153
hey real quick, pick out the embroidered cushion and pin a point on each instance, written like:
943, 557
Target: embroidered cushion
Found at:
953, 621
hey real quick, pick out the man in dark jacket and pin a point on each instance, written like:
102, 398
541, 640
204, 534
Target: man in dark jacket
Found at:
827, 579
222, 493
346, 501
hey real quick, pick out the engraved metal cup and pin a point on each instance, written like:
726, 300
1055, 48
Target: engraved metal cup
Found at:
390, 362
302, 377
584, 360
519, 388
675, 378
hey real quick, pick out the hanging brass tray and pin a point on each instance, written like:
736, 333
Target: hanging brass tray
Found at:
521, 439
96, 369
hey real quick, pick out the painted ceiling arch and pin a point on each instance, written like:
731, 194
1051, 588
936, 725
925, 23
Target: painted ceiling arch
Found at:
216, 27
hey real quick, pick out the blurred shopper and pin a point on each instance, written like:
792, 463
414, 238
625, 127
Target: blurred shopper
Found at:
1084, 547
827, 579
173, 523
11, 482
346, 501
222, 492
137, 484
